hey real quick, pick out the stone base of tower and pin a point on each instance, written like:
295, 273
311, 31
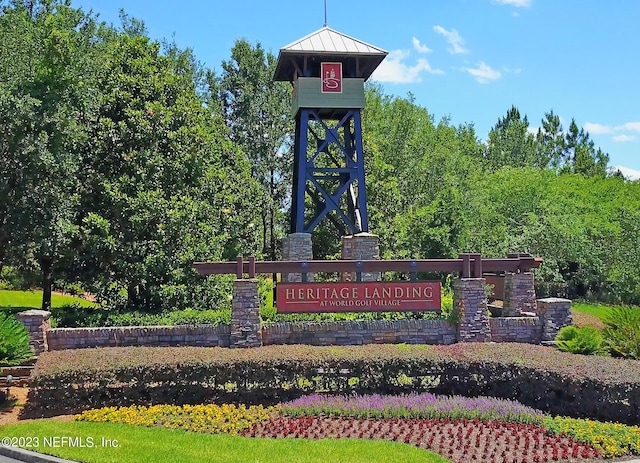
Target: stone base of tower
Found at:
362, 246
297, 246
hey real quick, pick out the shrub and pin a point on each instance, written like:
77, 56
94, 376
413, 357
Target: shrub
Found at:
541, 377
14, 341
13, 278
586, 340
74, 316
622, 334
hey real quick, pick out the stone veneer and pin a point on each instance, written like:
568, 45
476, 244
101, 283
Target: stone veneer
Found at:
245, 315
519, 294
362, 246
119, 336
37, 323
554, 313
360, 332
246, 330
516, 329
297, 247
470, 302
521, 329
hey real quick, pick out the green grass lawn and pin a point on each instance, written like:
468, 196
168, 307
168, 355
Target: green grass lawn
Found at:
597, 310
33, 300
137, 444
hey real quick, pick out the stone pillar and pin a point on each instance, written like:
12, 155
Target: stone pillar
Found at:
245, 314
519, 294
37, 323
470, 301
297, 246
554, 313
362, 246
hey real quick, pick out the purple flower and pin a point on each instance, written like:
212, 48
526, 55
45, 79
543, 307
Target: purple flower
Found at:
413, 406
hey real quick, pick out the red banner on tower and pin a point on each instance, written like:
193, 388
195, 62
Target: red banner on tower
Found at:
331, 77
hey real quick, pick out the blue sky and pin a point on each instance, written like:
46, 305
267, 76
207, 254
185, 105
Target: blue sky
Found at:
468, 60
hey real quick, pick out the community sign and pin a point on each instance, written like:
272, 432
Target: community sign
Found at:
358, 297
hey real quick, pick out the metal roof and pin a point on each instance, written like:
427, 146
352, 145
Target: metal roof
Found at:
326, 40
328, 44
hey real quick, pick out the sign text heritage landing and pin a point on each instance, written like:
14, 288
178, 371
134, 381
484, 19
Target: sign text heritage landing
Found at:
358, 297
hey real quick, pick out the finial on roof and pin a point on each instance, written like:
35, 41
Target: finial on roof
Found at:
325, 14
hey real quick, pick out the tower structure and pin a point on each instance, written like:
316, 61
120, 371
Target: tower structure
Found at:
327, 70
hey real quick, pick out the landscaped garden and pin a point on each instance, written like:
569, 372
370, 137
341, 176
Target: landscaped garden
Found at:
125, 160
338, 401
342, 401
348, 428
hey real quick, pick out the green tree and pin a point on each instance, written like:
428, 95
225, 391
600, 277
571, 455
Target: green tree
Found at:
257, 112
19, 149
511, 144
581, 155
164, 186
418, 176
46, 72
550, 141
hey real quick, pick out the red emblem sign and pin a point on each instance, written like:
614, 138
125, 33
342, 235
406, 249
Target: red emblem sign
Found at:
331, 75
378, 296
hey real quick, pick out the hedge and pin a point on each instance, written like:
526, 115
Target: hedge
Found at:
601, 388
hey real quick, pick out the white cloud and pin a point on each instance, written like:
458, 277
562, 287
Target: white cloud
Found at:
516, 3
393, 69
620, 133
623, 138
631, 126
627, 172
484, 73
454, 39
420, 48
509, 70
598, 129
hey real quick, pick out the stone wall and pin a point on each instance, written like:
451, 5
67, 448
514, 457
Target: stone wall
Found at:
78, 338
246, 330
470, 303
37, 323
314, 333
519, 294
554, 313
516, 329
521, 329
360, 332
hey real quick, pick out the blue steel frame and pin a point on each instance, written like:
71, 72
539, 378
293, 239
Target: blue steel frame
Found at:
349, 168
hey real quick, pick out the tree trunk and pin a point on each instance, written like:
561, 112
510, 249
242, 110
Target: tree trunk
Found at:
47, 281
3, 255
272, 225
132, 296
264, 231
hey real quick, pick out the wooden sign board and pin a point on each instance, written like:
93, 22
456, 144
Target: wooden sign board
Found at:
358, 297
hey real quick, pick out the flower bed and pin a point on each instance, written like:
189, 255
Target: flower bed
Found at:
518, 434
227, 419
413, 406
461, 441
